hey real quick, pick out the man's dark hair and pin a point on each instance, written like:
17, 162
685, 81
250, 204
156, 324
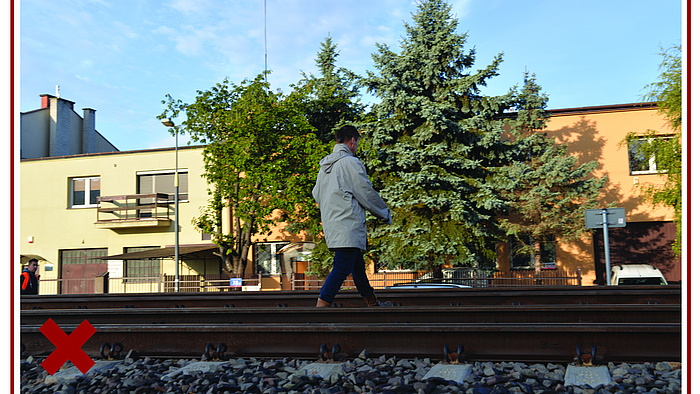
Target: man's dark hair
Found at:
346, 133
33, 260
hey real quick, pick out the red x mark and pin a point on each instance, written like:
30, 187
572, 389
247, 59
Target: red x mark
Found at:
67, 347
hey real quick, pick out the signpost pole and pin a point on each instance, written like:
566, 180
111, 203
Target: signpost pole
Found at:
618, 220
607, 247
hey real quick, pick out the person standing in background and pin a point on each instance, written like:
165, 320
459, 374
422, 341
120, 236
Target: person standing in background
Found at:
29, 284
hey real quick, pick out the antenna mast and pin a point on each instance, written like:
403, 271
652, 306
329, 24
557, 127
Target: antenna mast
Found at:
265, 29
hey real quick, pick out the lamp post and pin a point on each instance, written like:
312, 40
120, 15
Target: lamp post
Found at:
169, 123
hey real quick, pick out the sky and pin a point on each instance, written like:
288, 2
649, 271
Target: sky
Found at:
122, 58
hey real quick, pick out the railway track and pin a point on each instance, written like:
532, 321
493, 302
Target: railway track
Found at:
528, 324
526, 342
415, 297
662, 313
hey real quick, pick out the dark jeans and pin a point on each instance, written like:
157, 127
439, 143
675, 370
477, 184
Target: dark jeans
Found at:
345, 262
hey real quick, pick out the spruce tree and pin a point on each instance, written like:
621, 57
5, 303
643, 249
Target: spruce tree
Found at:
435, 146
335, 96
547, 190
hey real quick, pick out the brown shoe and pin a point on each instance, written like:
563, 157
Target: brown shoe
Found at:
322, 304
373, 301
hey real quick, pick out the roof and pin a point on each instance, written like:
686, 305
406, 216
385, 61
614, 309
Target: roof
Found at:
590, 109
191, 252
123, 152
636, 271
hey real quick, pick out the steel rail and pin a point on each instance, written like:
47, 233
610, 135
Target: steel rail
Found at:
537, 342
536, 295
597, 313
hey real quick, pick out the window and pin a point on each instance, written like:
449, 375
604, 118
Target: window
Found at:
141, 268
83, 256
163, 182
641, 155
84, 192
522, 255
267, 257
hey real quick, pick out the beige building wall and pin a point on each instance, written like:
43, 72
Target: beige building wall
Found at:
48, 224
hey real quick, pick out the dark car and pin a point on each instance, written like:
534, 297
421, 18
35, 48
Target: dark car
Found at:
427, 285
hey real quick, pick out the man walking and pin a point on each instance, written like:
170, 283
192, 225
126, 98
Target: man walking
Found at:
344, 192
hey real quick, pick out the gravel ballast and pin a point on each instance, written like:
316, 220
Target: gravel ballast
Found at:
362, 375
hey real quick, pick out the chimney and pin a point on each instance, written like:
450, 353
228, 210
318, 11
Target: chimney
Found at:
60, 111
46, 100
89, 136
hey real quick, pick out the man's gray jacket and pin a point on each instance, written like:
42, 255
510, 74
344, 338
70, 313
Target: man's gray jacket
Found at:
343, 192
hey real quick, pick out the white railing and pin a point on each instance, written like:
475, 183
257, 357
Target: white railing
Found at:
156, 284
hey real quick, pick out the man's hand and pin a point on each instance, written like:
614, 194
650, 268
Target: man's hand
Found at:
387, 219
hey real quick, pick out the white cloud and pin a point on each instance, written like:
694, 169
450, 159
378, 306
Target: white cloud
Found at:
168, 31
189, 45
461, 8
189, 7
125, 30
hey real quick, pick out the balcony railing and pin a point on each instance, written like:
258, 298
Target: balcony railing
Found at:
133, 210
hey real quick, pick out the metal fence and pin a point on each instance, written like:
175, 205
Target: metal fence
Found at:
156, 284
378, 280
300, 281
531, 278
468, 277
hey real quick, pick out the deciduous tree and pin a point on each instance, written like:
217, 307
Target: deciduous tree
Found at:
666, 150
260, 160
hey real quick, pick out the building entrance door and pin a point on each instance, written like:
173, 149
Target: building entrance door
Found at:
79, 268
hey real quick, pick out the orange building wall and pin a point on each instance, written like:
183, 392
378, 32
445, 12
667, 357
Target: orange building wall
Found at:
597, 133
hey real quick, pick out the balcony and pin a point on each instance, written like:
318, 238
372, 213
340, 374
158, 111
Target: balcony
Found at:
133, 211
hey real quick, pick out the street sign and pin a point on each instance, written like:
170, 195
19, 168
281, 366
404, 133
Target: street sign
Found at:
605, 218
616, 217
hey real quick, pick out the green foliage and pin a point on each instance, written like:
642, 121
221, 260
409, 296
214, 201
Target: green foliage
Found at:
321, 261
260, 160
668, 91
547, 191
434, 147
666, 150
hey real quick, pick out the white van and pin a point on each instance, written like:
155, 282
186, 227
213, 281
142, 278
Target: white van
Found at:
636, 274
